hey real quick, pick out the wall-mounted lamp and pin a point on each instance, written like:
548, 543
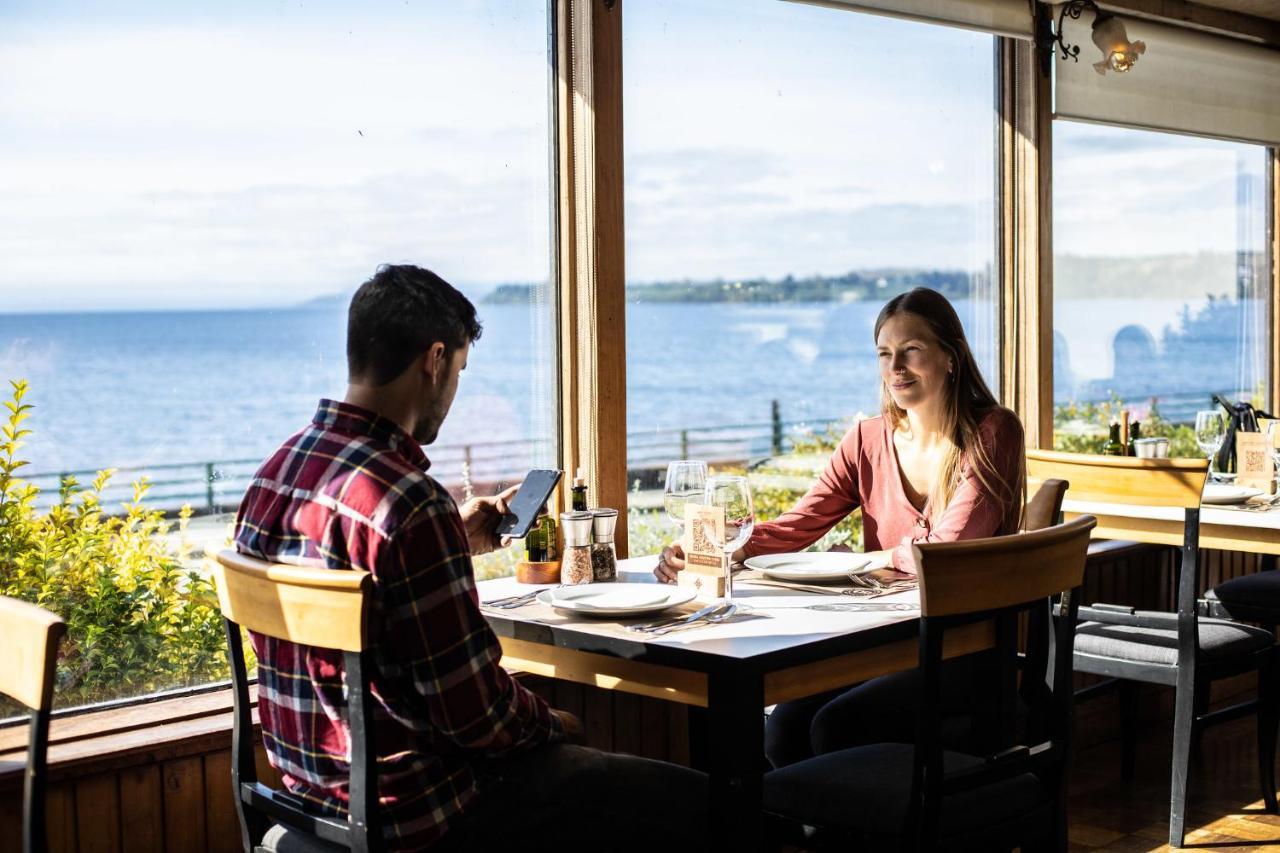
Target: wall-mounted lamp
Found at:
1118, 53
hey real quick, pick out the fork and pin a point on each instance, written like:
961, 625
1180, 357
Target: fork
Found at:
716, 618
512, 601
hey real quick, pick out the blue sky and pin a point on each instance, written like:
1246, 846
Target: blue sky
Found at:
255, 153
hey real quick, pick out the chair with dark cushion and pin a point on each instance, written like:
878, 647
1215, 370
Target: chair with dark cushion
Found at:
1248, 598
323, 608
30, 636
922, 796
1180, 650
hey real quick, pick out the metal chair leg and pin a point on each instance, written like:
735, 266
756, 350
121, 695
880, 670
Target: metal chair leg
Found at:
1128, 728
1268, 720
1184, 703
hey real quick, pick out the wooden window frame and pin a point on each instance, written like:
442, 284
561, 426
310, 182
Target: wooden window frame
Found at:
589, 272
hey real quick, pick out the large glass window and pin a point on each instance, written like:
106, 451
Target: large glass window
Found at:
1160, 273
786, 173
189, 195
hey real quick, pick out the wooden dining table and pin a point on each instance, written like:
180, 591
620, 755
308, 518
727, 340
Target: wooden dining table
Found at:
782, 644
1223, 527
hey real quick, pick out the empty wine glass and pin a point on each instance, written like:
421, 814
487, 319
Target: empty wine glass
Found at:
686, 481
1211, 429
733, 494
1273, 436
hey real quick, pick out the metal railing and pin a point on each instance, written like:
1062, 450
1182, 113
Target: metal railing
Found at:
217, 486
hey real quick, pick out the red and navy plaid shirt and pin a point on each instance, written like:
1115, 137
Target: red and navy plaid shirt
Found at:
351, 491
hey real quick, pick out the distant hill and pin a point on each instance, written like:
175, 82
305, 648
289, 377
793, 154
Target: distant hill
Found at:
851, 286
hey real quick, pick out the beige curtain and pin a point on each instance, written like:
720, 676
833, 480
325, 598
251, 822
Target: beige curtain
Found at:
1010, 18
1187, 82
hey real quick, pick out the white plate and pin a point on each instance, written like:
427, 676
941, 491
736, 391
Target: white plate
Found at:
1219, 494
615, 599
812, 566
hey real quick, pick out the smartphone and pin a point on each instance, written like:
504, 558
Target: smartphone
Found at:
533, 493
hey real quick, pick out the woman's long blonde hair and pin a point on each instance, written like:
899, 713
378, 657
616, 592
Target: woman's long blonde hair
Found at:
968, 401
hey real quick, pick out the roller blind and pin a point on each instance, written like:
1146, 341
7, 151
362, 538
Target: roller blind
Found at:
1186, 82
1010, 18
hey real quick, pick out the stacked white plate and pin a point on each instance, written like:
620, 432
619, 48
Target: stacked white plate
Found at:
1215, 493
615, 599
813, 566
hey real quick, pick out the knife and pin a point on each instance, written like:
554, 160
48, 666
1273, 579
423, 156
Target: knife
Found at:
676, 620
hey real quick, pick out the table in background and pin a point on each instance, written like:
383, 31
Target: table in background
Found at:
733, 669
1221, 527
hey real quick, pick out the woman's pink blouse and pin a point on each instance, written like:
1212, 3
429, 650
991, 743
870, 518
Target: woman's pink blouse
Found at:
863, 472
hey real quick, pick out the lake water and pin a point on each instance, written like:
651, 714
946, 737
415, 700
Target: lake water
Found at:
136, 389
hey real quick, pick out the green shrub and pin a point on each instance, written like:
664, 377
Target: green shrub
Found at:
1082, 428
138, 621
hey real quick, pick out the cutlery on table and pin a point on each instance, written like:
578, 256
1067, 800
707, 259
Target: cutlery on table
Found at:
648, 627
510, 601
726, 611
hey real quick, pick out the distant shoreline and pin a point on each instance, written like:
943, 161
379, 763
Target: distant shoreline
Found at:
850, 287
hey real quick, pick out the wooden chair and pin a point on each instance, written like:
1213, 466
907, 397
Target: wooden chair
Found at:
324, 608
30, 637
1180, 650
1045, 506
921, 796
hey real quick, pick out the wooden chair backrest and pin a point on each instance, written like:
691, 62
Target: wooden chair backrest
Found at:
1122, 479
1045, 506
29, 636
1002, 571
325, 608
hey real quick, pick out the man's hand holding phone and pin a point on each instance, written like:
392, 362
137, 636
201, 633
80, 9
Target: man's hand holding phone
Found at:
481, 517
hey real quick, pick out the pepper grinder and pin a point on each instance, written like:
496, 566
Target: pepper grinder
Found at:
575, 564
604, 556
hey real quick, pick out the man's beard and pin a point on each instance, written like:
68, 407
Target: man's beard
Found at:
426, 429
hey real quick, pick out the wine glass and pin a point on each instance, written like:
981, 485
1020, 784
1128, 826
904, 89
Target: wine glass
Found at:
1211, 429
1273, 436
686, 481
733, 494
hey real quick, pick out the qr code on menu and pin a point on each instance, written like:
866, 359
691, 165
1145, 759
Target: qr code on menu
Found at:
1254, 460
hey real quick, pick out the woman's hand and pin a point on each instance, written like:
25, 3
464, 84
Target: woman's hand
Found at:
670, 561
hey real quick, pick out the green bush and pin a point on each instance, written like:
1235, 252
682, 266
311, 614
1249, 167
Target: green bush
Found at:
138, 621
1082, 428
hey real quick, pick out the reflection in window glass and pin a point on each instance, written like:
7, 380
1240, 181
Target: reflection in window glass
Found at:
189, 197
1159, 280
787, 173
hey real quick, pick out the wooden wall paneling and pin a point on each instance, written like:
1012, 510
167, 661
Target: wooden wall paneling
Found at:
184, 815
60, 817
222, 824
98, 814
591, 264
10, 821
1026, 238
653, 724
626, 723
142, 809
598, 717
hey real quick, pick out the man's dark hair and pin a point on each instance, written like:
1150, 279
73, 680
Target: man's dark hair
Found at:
397, 315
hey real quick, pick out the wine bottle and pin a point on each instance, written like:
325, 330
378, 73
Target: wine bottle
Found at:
580, 491
1135, 433
1113, 447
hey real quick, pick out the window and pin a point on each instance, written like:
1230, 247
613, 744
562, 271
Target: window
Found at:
1160, 272
787, 173
190, 195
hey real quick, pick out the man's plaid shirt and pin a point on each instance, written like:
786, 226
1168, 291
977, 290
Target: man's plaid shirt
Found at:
351, 491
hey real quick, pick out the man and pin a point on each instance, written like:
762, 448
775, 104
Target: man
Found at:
468, 759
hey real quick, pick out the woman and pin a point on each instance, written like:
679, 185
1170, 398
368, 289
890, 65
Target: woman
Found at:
942, 462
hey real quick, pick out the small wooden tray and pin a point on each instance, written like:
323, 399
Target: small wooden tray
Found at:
538, 572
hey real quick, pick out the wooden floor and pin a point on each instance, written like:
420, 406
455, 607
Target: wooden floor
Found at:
1224, 809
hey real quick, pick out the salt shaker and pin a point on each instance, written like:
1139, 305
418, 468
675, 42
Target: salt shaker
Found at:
575, 563
604, 556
